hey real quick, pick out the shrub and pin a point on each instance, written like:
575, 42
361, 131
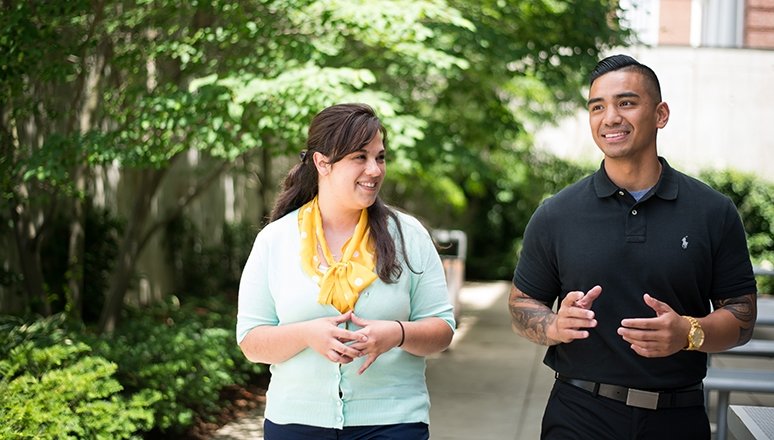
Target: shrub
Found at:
61, 392
202, 267
102, 235
161, 371
754, 198
186, 354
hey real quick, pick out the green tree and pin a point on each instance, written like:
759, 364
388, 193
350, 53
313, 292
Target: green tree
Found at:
163, 77
44, 111
528, 64
137, 84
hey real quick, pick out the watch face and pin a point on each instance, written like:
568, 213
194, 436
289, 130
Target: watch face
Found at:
699, 337
695, 334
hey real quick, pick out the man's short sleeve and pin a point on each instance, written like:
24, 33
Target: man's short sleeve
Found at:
732, 274
536, 273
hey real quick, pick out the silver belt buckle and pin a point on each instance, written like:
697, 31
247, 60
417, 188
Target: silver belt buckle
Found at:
642, 399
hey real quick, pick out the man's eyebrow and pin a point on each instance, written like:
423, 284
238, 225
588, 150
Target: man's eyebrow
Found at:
627, 95
618, 96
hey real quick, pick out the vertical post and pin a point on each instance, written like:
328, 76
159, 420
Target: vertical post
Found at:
722, 414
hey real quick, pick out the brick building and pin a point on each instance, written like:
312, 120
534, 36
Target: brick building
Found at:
704, 23
715, 60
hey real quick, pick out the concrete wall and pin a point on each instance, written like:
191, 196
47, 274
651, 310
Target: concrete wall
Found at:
722, 111
234, 197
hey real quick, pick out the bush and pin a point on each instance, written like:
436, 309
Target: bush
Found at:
754, 198
53, 388
102, 234
102, 237
187, 354
500, 195
162, 370
201, 267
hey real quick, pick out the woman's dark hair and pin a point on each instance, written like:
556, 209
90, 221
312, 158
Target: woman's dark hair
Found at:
336, 132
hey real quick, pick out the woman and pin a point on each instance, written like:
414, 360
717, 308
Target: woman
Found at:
342, 295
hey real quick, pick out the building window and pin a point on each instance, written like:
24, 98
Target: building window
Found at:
722, 22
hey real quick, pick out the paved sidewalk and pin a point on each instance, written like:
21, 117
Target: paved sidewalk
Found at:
491, 383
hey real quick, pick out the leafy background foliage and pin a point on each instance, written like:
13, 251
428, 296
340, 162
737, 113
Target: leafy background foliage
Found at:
53, 387
754, 198
94, 89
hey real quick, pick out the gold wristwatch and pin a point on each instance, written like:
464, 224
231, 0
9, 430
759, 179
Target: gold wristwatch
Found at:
695, 334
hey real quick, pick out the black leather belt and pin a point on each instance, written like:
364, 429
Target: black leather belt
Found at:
678, 398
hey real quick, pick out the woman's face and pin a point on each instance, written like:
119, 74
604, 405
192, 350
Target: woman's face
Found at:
355, 180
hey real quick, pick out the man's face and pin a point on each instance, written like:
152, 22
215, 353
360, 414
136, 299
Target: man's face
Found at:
624, 115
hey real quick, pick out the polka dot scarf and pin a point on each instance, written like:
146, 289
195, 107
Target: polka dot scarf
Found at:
341, 282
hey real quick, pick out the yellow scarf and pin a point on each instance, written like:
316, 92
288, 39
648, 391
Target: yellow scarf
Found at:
341, 283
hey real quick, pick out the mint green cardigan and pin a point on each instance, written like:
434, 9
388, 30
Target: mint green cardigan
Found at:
309, 389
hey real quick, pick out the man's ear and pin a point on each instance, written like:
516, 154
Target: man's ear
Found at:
321, 163
662, 114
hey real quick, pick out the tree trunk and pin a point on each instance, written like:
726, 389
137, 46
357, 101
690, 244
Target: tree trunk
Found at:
138, 234
130, 249
27, 244
75, 254
266, 184
87, 99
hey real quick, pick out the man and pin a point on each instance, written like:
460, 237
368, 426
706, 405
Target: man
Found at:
635, 255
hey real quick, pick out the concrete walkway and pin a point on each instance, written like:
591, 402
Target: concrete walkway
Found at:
491, 384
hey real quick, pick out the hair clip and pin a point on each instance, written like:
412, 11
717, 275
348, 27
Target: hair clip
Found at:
303, 153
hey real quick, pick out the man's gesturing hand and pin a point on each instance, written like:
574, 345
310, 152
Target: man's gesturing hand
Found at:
574, 315
655, 337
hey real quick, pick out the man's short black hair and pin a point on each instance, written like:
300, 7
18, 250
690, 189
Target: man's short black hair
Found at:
625, 62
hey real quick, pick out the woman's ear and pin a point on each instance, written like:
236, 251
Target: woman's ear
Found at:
321, 163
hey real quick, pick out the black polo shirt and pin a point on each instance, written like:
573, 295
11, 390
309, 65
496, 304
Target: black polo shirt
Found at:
683, 243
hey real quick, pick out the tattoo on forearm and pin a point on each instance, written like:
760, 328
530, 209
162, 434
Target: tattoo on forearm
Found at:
744, 308
531, 318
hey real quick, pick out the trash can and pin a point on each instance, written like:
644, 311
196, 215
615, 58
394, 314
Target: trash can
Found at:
452, 246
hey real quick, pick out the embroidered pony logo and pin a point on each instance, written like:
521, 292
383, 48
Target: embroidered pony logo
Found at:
685, 242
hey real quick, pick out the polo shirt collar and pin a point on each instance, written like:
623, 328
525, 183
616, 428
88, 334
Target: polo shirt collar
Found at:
666, 187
